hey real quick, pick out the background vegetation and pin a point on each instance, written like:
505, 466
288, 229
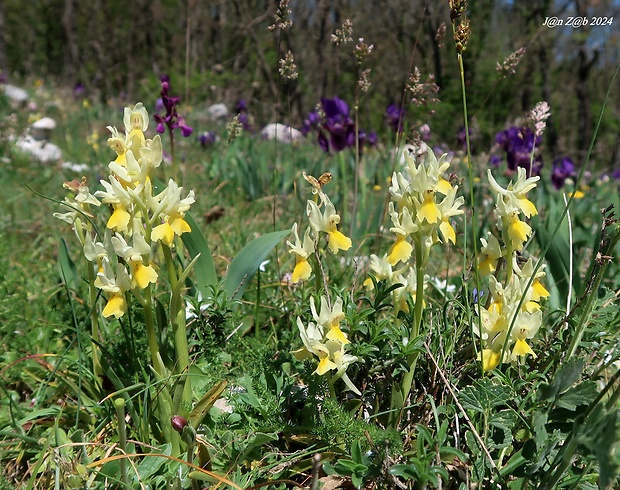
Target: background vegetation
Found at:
550, 421
220, 51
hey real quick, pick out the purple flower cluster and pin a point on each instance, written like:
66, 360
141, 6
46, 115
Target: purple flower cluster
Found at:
336, 128
563, 168
518, 144
395, 117
242, 112
169, 103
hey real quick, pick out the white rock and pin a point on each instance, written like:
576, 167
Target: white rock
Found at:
43, 150
44, 123
42, 128
219, 112
223, 406
281, 132
15, 94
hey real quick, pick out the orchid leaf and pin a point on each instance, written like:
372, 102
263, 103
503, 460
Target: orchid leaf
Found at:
246, 262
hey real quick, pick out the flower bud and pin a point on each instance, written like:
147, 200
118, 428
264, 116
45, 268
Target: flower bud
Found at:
178, 423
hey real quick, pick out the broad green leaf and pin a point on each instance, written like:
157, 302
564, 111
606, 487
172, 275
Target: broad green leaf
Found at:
564, 378
205, 404
246, 262
67, 269
152, 464
502, 422
582, 394
484, 395
204, 269
356, 451
406, 471
601, 438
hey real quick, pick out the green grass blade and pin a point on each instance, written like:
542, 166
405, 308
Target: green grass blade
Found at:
67, 269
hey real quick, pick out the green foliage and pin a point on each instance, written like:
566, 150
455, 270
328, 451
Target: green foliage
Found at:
247, 261
256, 411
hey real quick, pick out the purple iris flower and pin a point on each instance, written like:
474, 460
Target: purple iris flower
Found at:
335, 109
367, 139
242, 106
518, 143
395, 117
339, 127
336, 129
563, 168
171, 118
313, 121
244, 120
495, 160
615, 174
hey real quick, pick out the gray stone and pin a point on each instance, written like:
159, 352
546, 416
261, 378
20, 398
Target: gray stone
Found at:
42, 128
218, 112
15, 94
281, 132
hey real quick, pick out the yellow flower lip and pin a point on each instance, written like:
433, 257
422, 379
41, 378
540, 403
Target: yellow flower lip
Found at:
116, 306
400, 251
338, 241
302, 270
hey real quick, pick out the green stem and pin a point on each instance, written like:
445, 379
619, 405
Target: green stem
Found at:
182, 357
172, 272
357, 167
421, 257
151, 334
330, 382
119, 405
164, 400
175, 167
257, 307
94, 324
344, 181
470, 177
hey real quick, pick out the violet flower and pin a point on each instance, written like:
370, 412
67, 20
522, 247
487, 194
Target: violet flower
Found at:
563, 168
336, 130
171, 118
519, 143
242, 114
312, 122
395, 117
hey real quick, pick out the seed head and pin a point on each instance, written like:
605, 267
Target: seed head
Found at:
344, 34
457, 7
288, 68
461, 36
